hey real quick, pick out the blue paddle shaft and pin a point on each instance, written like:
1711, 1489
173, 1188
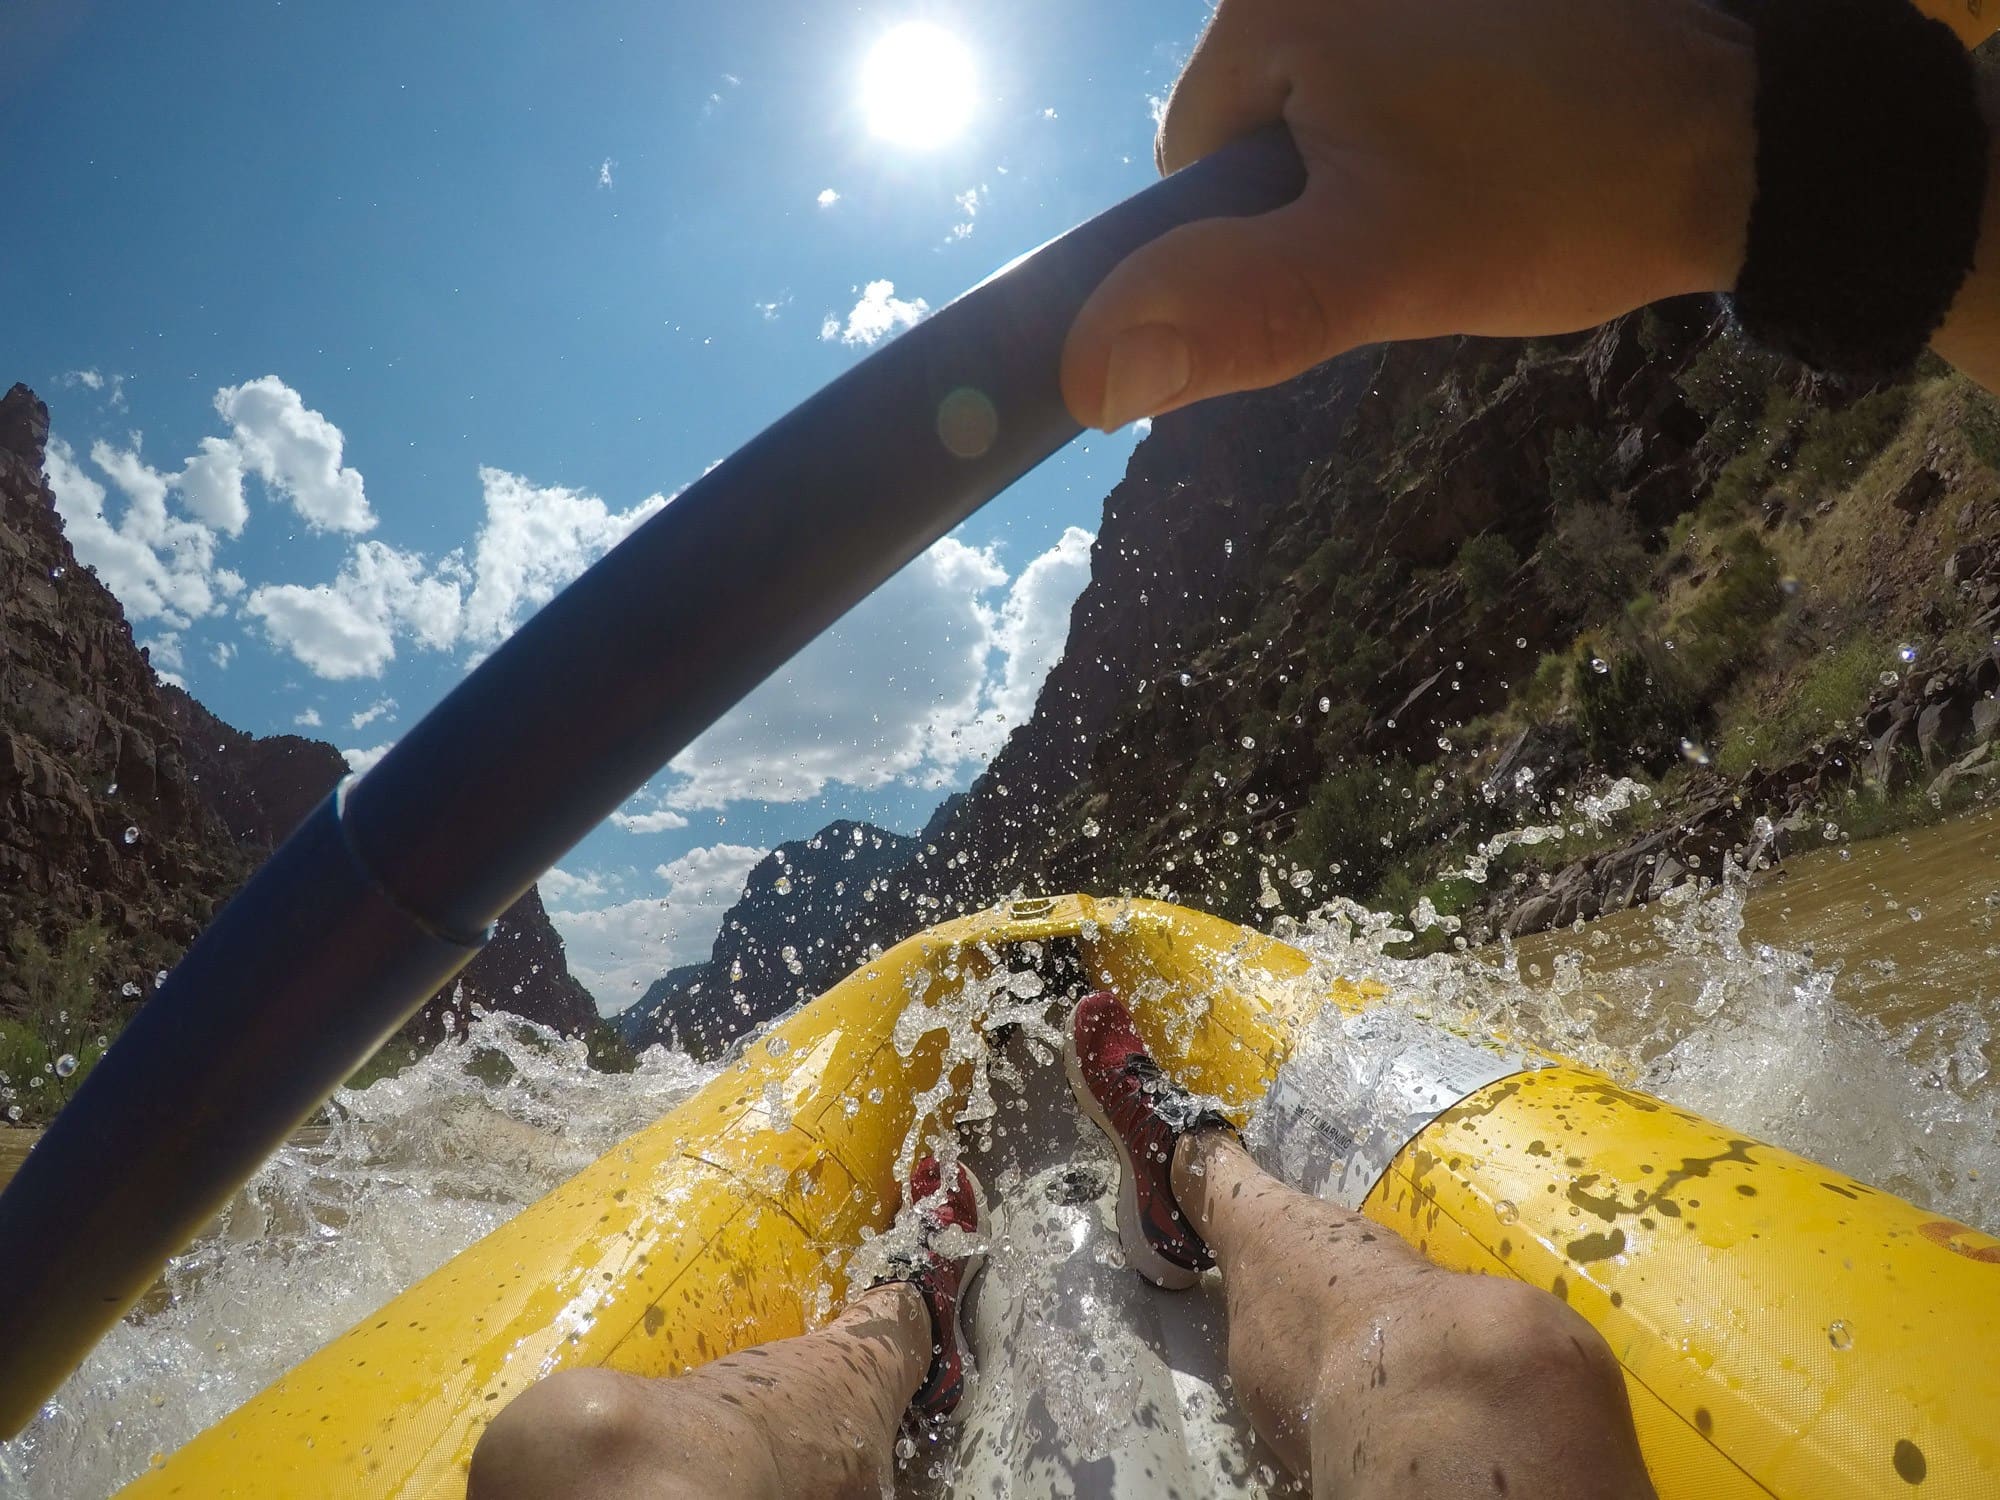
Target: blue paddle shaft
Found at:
387, 890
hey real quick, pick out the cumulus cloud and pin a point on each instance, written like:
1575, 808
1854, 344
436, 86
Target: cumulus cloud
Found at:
161, 566
90, 380
361, 761
534, 540
307, 718
296, 452
381, 708
879, 313
1033, 628
828, 197
653, 820
926, 675
222, 653
559, 885
618, 950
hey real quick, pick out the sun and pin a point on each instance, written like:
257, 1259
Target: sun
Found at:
917, 86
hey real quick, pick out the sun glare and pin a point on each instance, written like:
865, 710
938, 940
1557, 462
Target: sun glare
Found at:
917, 85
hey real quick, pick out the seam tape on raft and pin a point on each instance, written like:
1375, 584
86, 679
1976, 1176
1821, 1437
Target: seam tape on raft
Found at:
1357, 1090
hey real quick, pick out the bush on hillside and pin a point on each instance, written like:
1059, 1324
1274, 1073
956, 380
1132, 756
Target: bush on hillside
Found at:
1594, 561
1485, 564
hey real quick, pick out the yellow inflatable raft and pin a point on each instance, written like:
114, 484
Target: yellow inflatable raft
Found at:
1783, 1329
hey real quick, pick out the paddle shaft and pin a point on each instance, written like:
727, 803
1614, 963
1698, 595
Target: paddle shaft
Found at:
387, 889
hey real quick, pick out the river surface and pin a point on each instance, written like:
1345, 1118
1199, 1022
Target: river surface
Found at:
1843, 1006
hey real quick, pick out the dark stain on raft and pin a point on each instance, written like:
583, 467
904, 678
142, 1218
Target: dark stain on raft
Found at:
1910, 1463
1597, 1247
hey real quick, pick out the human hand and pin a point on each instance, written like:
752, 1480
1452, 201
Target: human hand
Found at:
1531, 167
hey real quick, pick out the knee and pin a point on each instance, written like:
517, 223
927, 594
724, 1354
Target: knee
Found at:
552, 1437
1501, 1342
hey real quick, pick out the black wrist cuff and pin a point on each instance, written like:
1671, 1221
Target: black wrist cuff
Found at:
1871, 180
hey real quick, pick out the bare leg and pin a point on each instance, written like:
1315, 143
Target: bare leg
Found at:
1379, 1375
810, 1416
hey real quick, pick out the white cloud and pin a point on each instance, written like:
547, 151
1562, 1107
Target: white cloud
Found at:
1049, 114
164, 651
90, 380
1143, 426
380, 708
604, 172
1034, 627
222, 653
159, 565
969, 203
617, 951
880, 312
307, 718
827, 198
533, 541
559, 885
211, 486
360, 761
927, 674
657, 820
769, 310
296, 452
348, 628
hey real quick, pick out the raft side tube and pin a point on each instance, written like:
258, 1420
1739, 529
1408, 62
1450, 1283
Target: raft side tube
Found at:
1716, 1267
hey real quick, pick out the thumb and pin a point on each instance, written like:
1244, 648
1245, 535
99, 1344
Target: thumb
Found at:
1212, 307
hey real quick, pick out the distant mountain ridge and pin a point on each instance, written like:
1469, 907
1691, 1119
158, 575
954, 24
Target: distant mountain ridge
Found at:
788, 937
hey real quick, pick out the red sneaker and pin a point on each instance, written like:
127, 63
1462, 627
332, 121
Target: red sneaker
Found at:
942, 1279
1144, 1113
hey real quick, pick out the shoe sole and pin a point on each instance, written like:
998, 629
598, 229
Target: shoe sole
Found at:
1139, 1251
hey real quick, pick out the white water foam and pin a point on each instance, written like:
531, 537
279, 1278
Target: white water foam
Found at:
408, 1173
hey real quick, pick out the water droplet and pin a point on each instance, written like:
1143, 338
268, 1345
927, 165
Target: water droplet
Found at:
1889, 679
1599, 665
1186, 681
906, 1448
112, 790
1839, 1334
1325, 705
159, 978
66, 1065
1915, 914
13, 1114
1091, 828
1229, 837
131, 835
777, 1046
1906, 654
1249, 743
1520, 643
1505, 1211
1789, 584
782, 885
129, 990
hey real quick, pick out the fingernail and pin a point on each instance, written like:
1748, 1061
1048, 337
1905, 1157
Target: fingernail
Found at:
1149, 367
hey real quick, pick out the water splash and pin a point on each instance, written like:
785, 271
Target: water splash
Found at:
404, 1175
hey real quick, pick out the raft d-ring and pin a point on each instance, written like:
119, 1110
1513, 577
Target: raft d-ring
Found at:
1031, 907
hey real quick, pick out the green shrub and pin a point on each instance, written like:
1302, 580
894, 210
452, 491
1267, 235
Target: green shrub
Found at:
1838, 444
1821, 704
1632, 709
1578, 459
1594, 561
1725, 625
1981, 426
1485, 564
66, 1012
1729, 384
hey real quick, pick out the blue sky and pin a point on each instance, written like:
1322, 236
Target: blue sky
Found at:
365, 326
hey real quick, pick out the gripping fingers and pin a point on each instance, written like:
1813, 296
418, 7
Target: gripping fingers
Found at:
1213, 307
